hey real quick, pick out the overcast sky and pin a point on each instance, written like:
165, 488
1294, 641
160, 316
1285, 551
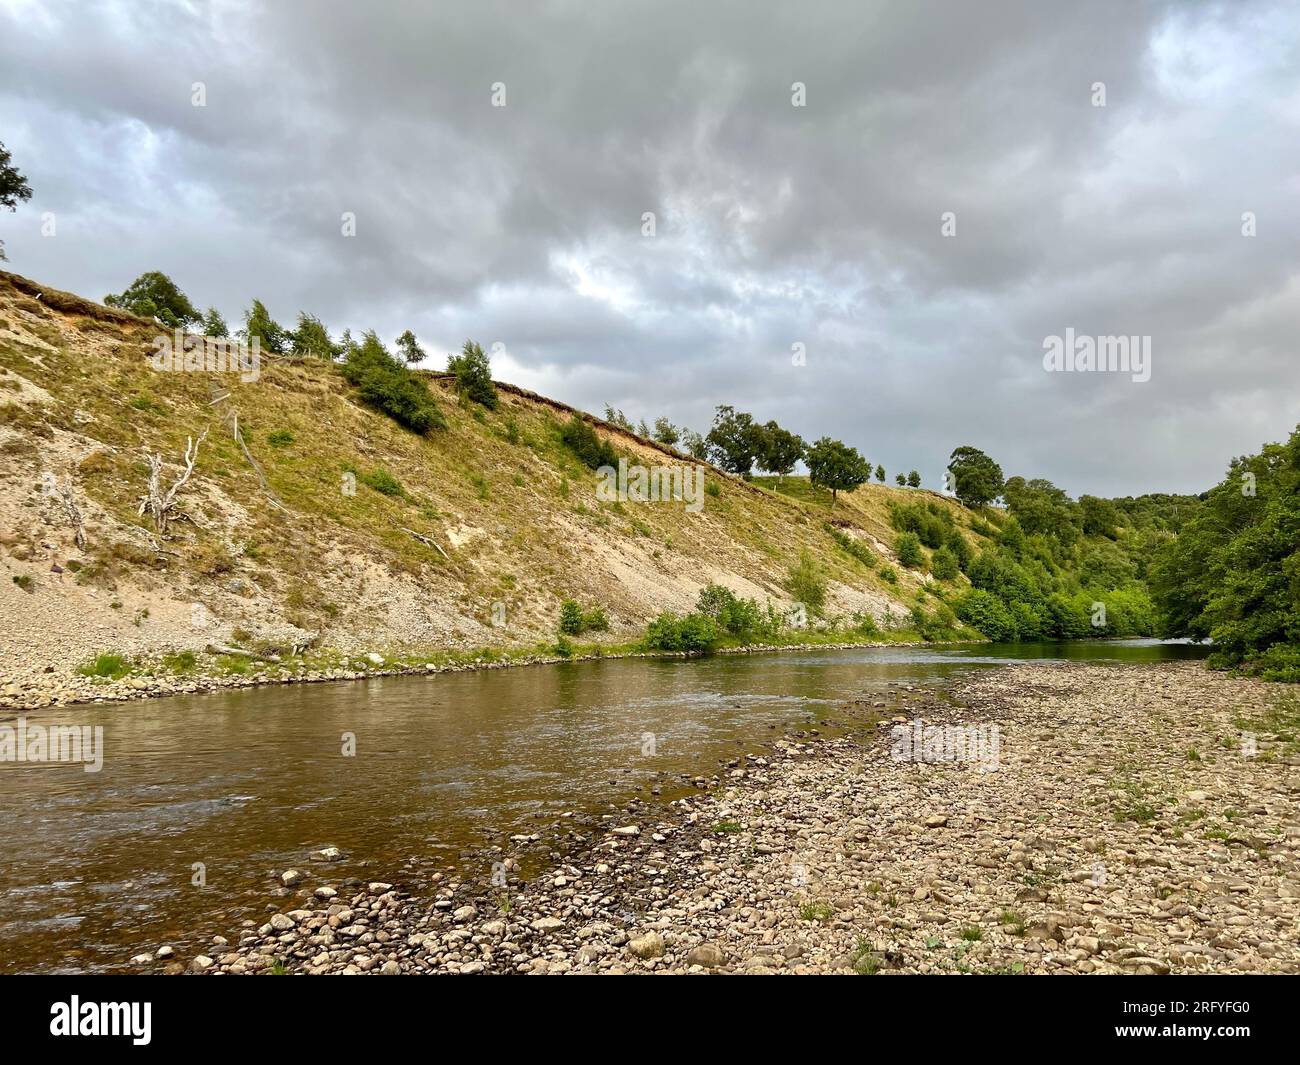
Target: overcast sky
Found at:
775, 224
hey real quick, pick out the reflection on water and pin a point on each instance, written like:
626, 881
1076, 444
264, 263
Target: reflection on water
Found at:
96, 867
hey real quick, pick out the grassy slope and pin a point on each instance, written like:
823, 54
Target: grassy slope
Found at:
513, 513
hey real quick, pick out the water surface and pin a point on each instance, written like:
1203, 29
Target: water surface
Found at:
95, 867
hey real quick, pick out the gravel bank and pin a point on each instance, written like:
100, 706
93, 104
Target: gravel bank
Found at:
1129, 827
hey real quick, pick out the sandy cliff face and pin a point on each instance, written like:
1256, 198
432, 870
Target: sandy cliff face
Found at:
295, 539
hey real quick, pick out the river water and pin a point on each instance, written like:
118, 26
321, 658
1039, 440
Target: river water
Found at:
95, 867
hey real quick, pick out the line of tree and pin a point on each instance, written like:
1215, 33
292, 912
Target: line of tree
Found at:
1231, 574
384, 379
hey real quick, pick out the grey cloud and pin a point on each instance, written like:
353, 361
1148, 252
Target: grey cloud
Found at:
775, 224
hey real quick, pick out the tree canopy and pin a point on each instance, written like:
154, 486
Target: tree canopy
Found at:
473, 373
1232, 574
977, 479
833, 464
155, 295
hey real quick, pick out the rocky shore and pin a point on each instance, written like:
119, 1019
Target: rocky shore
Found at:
23, 689
1121, 819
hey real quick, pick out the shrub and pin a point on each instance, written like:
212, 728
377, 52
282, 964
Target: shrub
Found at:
856, 548
570, 617
587, 444
387, 385
738, 617
280, 438
889, 575
932, 524
806, 584
693, 633
1280, 662
382, 482
474, 375
574, 621
908, 547
941, 625
987, 613
944, 564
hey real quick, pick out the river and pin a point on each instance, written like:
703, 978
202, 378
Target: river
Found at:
95, 867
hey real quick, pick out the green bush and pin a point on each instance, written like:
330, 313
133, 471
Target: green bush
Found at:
944, 564
570, 617
280, 438
908, 548
940, 625
574, 621
742, 618
388, 386
587, 444
474, 375
931, 522
984, 611
693, 633
1280, 662
382, 482
806, 583
856, 548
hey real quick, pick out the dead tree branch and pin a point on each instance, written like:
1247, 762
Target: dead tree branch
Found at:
162, 505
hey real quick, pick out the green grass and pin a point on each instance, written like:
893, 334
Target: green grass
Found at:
108, 666
864, 960
816, 910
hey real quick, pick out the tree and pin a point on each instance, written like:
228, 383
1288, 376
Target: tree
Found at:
666, 433
900, 479
473, 373
834, 465
409, 348
587, 444
914, 480
880, 474
155, 295
386, 384
161, 504
617, 417
734, 441
270, 335
214, 325
312, 338
696, 446
1233, 572
1100, 517
977, 479
779, 449
13, 187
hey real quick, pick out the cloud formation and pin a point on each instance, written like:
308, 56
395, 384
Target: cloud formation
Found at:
775, 224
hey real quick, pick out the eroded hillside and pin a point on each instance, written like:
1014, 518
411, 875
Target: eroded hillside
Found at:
320, 525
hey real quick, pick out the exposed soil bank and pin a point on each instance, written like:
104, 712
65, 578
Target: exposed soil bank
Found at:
1126, 829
